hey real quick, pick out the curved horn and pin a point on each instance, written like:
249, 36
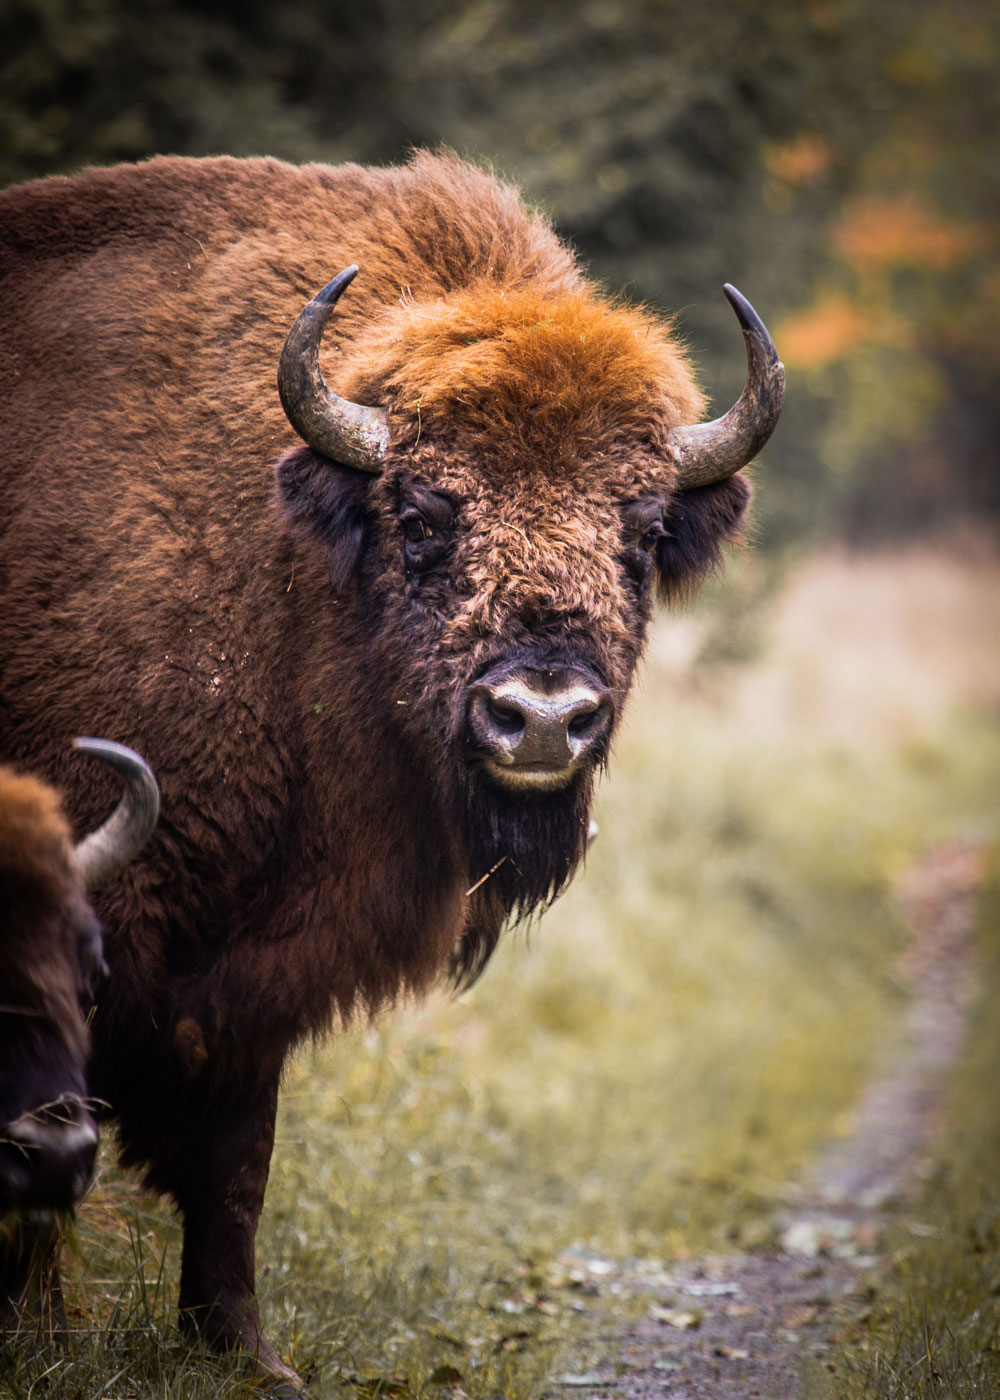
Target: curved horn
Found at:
707, 452
344, 431
110, 848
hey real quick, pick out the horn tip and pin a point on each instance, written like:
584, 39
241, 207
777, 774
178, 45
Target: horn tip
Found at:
337, 285
739, 303
120, 756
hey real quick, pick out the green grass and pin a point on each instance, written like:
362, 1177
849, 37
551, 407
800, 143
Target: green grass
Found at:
639, 1076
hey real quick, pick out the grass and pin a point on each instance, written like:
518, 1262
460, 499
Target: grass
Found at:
637, 1077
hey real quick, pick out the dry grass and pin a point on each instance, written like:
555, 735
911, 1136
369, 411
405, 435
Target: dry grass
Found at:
643, 1074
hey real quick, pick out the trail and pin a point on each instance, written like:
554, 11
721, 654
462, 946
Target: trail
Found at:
736, 1328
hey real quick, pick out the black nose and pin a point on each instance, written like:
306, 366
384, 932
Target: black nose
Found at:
536, 728
47, 1157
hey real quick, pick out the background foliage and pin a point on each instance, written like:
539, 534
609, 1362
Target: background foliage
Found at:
834, 160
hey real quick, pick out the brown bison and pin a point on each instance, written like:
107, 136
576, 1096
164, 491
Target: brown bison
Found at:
376, 669
50, 963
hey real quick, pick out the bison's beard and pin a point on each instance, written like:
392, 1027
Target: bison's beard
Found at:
523, 851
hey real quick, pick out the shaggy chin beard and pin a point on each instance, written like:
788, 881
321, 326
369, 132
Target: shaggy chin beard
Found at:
524, 848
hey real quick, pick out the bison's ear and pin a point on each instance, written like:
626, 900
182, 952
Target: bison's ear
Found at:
329, 503
698, 523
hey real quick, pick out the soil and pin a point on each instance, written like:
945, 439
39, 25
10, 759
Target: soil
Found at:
737, 1328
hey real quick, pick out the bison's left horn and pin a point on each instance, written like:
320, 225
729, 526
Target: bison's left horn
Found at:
707, 452
110, 848
344, 431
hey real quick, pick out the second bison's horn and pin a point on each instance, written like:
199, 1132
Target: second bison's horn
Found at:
707, 452
110, 848
344, 431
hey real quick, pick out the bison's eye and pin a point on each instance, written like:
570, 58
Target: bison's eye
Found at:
642, 524
426, 523
423, 546
642, 530
415, 529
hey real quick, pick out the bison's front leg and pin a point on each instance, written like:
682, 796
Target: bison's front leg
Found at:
221, 1195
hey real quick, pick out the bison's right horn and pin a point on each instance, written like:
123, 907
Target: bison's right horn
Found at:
344, 431
110, 848
708, 452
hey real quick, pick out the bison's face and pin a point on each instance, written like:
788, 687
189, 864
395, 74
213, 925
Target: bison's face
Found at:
530, 599
527, 487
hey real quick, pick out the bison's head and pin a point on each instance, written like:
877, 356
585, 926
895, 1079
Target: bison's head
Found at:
533, 473
50, 960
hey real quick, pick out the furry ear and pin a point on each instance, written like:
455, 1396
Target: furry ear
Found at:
329, 503
698, 523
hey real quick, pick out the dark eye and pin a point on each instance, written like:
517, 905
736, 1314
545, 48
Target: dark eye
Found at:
415, 529
642, 530
427, 525
424, 545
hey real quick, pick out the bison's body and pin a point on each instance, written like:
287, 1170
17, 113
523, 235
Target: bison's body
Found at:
295, 651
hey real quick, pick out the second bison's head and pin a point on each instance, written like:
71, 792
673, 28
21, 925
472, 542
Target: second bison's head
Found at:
532, 472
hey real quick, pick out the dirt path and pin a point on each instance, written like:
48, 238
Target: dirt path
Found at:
736, 1328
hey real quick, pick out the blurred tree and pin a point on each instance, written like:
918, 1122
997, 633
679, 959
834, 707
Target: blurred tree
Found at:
836, 162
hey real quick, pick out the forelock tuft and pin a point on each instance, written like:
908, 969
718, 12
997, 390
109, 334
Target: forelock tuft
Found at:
505, 362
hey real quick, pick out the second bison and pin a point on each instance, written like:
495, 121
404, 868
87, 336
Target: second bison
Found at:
50, 965
376, 650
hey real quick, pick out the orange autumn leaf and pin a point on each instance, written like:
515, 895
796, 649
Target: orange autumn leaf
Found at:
800, 161
879, 230
822, 333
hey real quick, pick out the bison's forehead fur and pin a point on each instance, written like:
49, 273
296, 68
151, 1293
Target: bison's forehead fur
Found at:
558, 380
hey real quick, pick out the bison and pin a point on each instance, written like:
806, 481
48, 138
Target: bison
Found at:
50, 963
376, 646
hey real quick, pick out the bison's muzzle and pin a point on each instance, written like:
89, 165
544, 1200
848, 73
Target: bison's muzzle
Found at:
534, 727
47, 1156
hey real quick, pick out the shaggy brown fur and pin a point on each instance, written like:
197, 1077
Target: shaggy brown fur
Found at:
295, 671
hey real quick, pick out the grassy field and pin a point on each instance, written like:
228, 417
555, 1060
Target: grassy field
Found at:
640, 1074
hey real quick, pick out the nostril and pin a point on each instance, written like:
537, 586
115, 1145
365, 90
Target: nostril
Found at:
505, 719
589, 721
584, 723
